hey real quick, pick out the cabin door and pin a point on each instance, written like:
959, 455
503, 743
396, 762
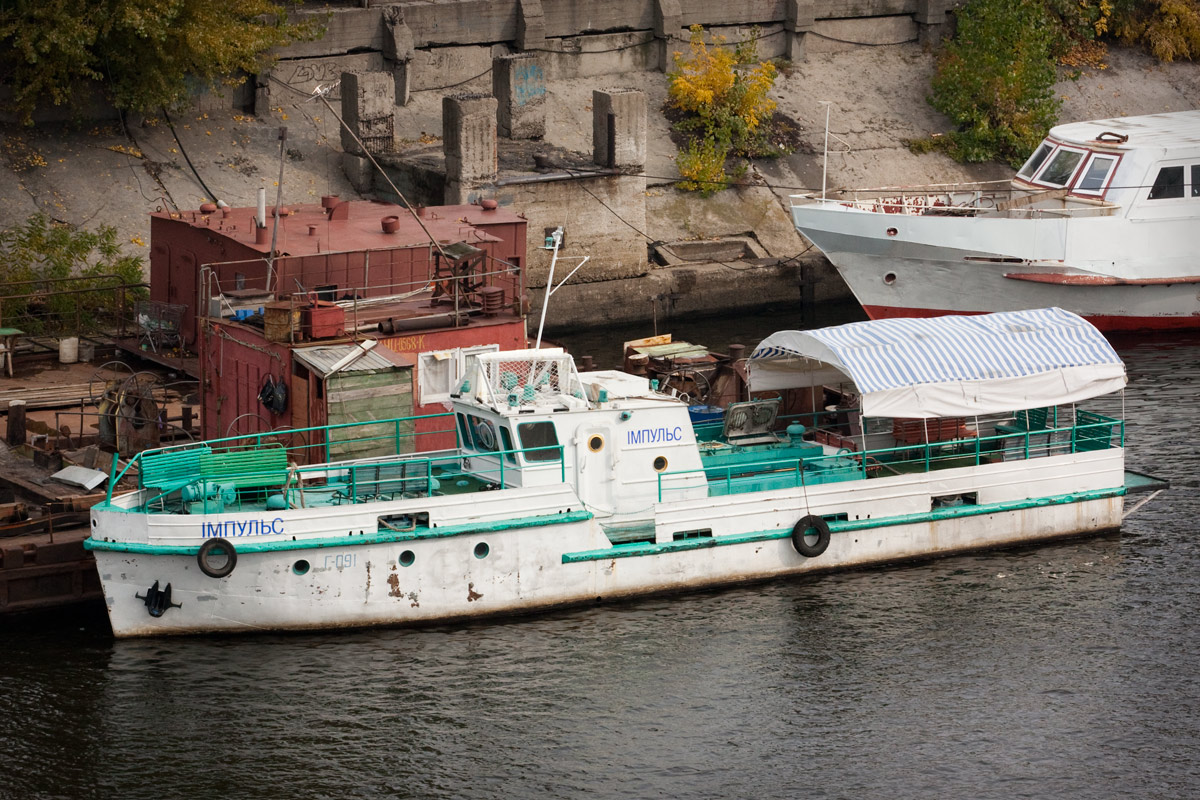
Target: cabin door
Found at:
594, 469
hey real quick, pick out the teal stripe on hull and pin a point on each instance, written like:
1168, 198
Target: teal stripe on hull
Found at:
842, 526
251, 546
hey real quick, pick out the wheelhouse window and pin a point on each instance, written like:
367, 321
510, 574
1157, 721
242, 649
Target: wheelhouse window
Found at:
1036, 160
1095, 174
1061, 168
477, 433
1168, 184
506, 444
1195, 180
538, 434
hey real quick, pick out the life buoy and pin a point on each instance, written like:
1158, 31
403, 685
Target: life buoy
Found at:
218, 547
808, 526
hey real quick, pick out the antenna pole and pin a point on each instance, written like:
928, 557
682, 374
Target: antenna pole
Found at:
278, 201
557, 236
825, 159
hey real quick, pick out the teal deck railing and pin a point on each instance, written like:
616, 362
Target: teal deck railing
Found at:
217, 471
1090, 432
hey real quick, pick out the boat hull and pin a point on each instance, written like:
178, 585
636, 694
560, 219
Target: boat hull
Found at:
506, 570
933, 266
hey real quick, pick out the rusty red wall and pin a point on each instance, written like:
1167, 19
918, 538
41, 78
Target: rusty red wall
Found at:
238, 359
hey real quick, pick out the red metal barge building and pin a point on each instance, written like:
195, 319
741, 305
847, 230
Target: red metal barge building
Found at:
274, 324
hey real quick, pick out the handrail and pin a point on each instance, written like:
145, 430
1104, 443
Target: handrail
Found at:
423, 468
926, 453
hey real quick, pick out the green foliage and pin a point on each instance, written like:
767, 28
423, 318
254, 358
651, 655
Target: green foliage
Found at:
995, 81
723, 97
1078, 27
1169, 29
702, 164
40, 251
145, 53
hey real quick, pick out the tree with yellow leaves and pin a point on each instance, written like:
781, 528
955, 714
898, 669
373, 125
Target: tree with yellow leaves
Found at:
726, 108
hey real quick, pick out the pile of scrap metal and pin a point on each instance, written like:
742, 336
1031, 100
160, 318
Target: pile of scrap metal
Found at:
695, 373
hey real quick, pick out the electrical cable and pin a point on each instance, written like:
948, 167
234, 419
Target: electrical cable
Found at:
862, 44
183, 152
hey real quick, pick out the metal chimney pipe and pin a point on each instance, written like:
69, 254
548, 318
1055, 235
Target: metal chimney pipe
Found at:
261, 215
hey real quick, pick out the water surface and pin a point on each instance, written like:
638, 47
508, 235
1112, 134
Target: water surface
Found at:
1070, 670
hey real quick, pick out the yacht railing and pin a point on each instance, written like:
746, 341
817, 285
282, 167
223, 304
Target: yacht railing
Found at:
1094, 432
966, 200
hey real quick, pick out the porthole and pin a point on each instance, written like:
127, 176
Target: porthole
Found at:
482, 550
596, 443
407, 558
660, 464
892, 231
889, 278
301, 567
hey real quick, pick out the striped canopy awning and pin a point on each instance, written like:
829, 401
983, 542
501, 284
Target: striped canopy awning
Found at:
947, 366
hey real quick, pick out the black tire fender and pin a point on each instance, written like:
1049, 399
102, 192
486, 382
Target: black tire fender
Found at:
207, 549
804, 529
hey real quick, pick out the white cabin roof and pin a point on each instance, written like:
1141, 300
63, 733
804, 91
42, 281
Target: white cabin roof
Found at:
947, 366
1177, 129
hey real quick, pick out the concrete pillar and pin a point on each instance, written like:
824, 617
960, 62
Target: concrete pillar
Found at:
368, 100
398, 49
519, 85
531, 25
668, 31
930, 17
619, 128
799, 16
469, 142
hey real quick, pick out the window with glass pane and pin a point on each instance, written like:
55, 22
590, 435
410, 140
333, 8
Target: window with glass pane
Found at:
464, 432
506, 443
1195, 180
1061, 168
1096, 173
538, 434
1168, 184
1035, 160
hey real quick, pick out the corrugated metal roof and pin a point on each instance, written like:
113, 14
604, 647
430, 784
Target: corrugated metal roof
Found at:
321, 359
1174, 129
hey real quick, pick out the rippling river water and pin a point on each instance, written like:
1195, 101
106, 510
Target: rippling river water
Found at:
1066, 671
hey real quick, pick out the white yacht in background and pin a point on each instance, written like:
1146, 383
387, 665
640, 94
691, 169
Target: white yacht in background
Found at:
1103, 220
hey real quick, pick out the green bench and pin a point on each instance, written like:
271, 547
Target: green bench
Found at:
1030, 420
1092, 432
170, 471
246, 469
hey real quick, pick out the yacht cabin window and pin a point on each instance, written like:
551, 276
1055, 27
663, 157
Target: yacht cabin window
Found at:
1061, 168
1095, 174
1035, 160
1168, 184
1195, 180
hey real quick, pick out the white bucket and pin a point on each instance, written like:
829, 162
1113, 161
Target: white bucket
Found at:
68, 350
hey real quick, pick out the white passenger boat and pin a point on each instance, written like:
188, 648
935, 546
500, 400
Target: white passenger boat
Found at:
1101, 220
571, 488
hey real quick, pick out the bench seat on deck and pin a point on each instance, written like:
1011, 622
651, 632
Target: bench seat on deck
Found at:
941, 429
170, 471
246, 469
